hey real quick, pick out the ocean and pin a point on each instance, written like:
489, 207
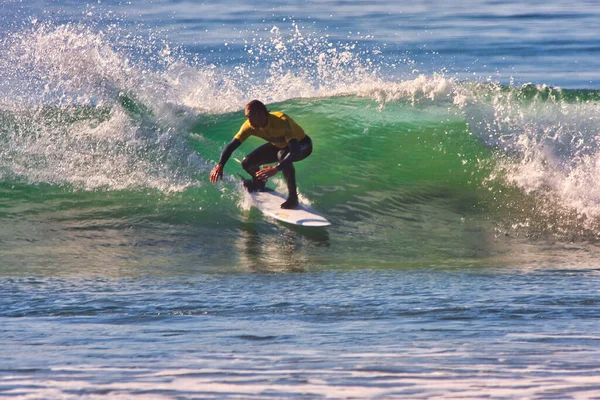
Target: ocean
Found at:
456, 155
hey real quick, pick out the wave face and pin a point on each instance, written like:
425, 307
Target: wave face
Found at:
463, 252
108, 116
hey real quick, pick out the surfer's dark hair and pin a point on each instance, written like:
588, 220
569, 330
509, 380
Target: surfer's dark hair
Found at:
257, 104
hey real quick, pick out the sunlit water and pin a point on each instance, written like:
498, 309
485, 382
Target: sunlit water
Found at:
456, 155
503, 332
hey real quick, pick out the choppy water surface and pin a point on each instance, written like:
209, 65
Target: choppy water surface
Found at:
502, 332
456, 155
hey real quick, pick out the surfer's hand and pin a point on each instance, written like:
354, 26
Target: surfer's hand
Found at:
216, 173
265, 173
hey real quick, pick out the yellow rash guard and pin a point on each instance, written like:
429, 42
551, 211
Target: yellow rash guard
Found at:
279, 131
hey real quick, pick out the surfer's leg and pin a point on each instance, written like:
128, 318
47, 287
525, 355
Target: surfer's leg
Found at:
289, 173
306, 149
265, 154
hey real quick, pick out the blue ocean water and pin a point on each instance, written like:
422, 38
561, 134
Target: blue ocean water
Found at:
456, 155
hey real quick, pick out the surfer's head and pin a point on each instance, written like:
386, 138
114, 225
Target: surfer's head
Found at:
257, 114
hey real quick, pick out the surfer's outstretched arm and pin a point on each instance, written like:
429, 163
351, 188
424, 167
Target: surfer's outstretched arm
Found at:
217, 172
228, 150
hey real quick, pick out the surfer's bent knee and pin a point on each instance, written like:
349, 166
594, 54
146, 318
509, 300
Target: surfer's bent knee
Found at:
245, 163
306, 149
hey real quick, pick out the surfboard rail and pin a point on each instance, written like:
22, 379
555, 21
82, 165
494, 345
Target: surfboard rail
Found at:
269, 203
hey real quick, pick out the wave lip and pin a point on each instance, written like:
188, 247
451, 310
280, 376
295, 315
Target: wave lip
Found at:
81, 110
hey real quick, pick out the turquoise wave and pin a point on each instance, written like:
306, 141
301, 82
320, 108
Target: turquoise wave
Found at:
418, 154
360, 145
409, 181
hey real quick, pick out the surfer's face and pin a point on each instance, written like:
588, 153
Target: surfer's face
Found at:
257, 117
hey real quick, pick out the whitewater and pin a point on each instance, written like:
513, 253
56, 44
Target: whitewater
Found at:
456, 155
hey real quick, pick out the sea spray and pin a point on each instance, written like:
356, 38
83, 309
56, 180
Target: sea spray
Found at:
88, 111
85, 108
89, 117
545, 143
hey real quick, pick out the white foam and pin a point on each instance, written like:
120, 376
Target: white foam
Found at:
70, 125
547, 146
60, 69
551, 144
551, 148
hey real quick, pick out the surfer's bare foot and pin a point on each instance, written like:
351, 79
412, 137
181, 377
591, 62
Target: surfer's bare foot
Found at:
290, 203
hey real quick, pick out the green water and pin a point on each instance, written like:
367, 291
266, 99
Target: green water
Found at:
403, 183
462, 256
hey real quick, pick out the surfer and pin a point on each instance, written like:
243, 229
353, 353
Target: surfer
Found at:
286, 144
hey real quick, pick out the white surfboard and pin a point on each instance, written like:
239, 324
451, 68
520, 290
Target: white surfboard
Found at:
269, 202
